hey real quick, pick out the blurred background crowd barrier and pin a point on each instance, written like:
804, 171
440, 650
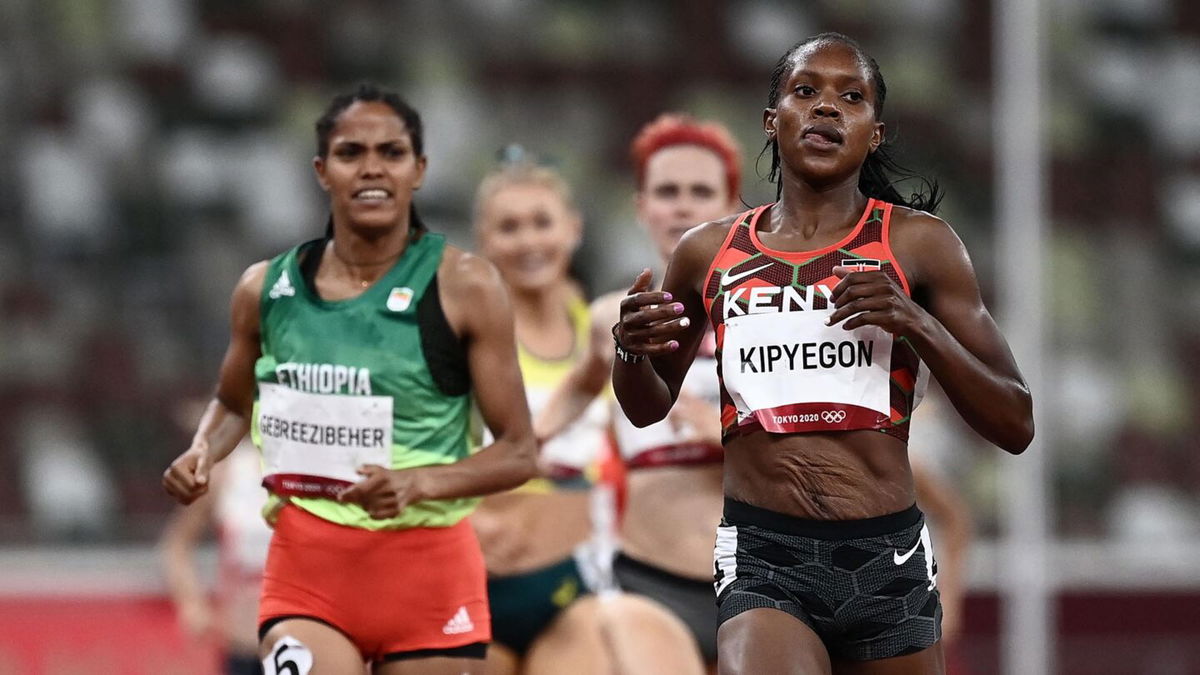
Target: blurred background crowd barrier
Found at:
155, 148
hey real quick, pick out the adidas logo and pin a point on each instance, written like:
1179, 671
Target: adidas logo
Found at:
459, 623
283, 286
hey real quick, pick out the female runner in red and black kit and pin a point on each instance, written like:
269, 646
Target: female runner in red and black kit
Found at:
831, 307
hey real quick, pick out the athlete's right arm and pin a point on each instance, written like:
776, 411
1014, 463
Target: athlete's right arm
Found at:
666, 326
587, 378
227, 417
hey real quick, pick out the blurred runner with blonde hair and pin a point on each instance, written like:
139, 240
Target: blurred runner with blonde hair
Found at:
540, 571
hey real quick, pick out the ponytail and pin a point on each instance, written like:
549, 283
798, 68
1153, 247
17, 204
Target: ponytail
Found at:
874, 180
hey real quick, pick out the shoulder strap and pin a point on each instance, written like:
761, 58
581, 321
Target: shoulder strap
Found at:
742, 220
420, 263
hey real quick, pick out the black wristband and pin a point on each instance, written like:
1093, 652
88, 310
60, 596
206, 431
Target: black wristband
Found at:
622, 353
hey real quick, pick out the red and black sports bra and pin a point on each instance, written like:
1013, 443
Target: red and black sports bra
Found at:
781, 369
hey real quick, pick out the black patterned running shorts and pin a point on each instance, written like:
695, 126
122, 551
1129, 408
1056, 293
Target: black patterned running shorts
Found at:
868, 587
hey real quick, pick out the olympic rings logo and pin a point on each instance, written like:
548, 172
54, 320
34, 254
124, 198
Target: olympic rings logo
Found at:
833, 416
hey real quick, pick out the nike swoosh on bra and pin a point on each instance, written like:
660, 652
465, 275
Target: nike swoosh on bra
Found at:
901, 559
727, 278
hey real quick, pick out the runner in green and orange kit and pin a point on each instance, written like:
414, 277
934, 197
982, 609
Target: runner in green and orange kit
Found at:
353, 361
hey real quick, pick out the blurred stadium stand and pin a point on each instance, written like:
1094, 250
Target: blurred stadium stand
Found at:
157, 147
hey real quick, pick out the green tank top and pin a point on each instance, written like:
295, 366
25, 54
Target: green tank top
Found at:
370, 345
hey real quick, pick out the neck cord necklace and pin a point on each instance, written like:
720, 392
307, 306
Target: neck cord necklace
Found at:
349, 265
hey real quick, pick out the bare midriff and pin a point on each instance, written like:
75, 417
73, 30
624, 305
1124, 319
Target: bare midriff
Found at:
671, 518
821, 476
522, 531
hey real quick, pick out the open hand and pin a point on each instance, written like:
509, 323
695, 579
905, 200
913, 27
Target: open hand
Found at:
650, 322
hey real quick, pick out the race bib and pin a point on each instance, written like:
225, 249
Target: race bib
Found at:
789, 372
313, 444
668, 442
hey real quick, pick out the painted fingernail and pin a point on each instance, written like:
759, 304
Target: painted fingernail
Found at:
678, 307
673, 345
667, 297
685, 322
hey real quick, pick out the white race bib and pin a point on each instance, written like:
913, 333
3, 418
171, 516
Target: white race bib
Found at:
665, 442
793, 373
313, 444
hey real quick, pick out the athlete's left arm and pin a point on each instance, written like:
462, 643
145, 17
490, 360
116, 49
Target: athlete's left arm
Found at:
477, 307
951, 329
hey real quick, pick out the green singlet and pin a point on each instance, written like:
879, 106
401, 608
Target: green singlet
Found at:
391, 341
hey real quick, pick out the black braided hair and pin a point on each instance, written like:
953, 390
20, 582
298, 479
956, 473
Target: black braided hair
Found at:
371, 93
880, 171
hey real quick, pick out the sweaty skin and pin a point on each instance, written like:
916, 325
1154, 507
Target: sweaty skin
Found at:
855, 474
465, 283
844, 475
822, 128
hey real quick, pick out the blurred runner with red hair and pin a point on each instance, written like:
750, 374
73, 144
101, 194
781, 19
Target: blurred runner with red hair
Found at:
688, 172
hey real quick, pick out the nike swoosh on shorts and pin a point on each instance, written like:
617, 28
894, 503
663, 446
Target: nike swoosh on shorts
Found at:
901, 559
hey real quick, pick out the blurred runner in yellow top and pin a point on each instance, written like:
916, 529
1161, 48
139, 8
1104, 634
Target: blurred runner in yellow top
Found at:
527, 225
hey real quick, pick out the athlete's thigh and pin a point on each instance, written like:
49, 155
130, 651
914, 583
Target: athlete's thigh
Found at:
572, 643
645, 637
928, 661
307, 647
501, 660
436, 665
769, 641
623, 633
